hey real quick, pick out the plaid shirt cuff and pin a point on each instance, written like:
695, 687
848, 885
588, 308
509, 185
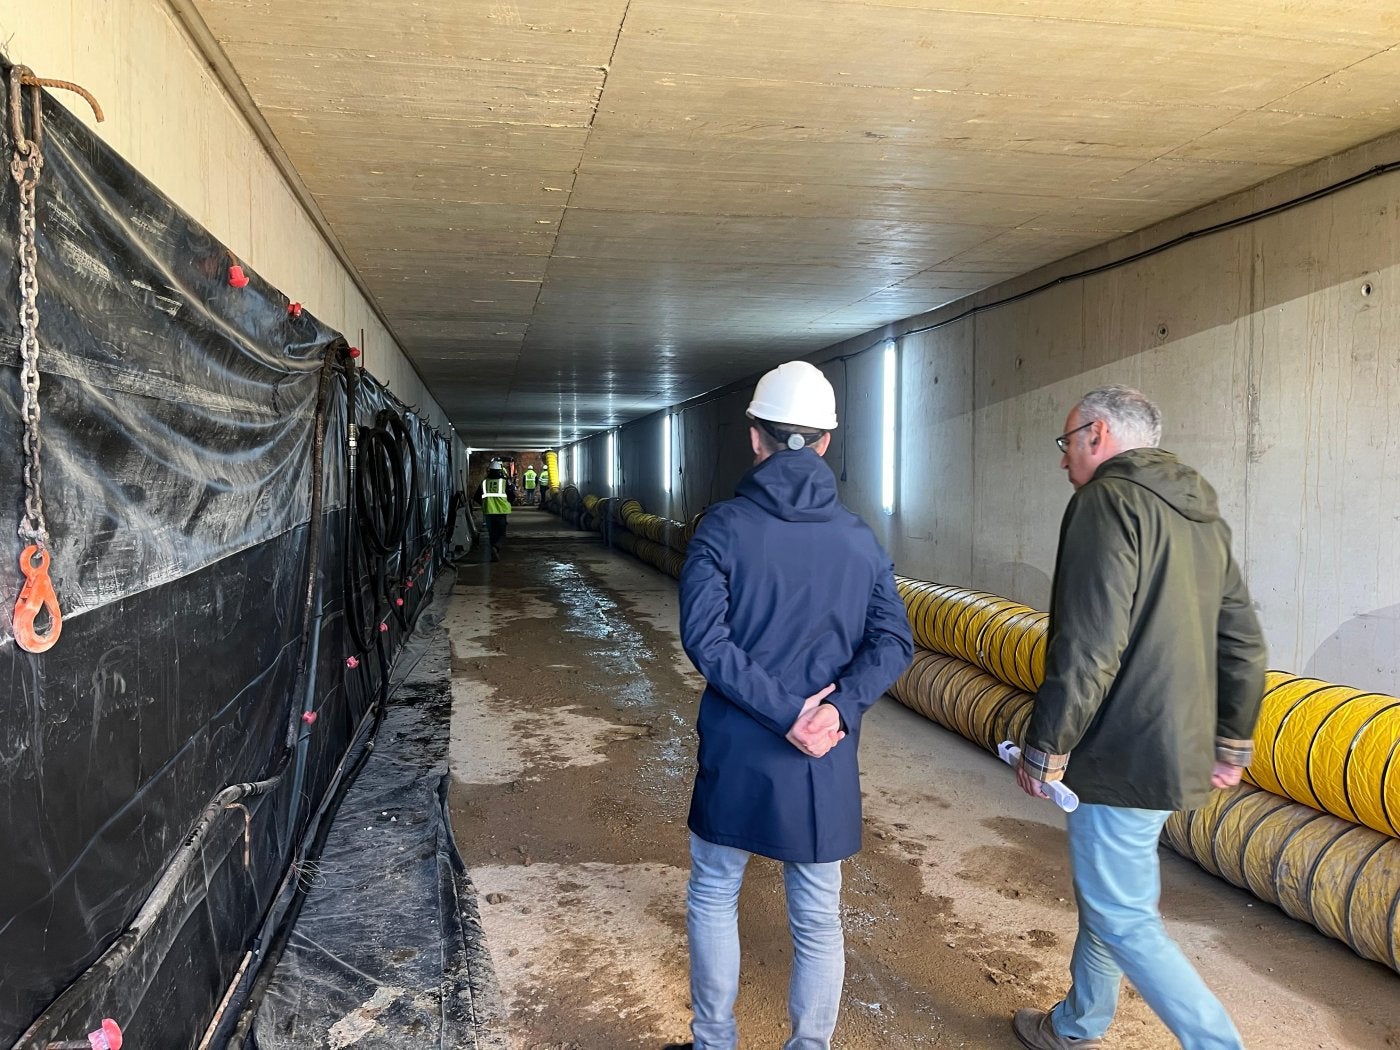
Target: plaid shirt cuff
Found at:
1234, 752
1042, 766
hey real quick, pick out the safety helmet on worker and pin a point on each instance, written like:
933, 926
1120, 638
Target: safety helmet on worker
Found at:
495, 464
795, 393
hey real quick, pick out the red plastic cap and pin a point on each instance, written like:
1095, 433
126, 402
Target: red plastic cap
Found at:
354, 351
236, 276
409, 583
309, 717
108, 1037
398, 601
294, 309
352, 661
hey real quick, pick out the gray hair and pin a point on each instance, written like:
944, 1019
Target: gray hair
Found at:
1134, 420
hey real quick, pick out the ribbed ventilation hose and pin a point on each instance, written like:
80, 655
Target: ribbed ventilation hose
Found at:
1330, 747
1004, 638
660, 542
1340, 877
653, 527
1326, 745
551, 464
963, 698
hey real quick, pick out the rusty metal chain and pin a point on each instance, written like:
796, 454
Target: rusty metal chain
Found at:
38, 619
26, 165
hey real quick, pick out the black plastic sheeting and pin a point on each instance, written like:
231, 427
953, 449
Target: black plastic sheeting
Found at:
388, 950
185, 503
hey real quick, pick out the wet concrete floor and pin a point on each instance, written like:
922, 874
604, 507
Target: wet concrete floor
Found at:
572, 754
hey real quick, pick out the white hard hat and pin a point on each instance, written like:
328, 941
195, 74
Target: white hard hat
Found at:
495, 464
795, 393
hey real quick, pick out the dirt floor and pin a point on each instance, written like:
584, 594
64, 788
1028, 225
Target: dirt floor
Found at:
573, 751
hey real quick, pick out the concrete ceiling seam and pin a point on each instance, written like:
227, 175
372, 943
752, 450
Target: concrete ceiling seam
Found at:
602, 89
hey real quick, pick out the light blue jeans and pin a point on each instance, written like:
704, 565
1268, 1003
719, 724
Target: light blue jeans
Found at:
818, 948
1117, 884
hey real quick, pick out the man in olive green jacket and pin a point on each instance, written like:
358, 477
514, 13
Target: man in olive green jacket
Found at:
1154, 673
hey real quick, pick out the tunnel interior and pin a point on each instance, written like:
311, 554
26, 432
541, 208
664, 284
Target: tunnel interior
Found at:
291, 759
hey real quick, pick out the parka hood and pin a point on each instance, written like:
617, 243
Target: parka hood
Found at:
1179, 486
792, 485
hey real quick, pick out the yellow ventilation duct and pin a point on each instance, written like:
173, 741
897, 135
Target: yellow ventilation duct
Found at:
1340, 877
1331, 747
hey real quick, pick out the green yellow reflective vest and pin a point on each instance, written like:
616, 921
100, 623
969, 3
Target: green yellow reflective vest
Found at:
493, 496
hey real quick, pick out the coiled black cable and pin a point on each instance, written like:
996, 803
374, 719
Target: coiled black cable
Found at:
385, 490
358, 565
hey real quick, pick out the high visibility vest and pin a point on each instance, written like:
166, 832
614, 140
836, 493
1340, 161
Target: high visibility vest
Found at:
493, 488
544, 479
529, 479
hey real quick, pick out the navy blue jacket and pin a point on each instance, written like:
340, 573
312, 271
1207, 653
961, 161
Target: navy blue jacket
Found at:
785, 591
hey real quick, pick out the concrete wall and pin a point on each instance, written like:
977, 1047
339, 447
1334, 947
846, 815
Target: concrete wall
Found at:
592, 474
170, 118
1273, 350
642, 473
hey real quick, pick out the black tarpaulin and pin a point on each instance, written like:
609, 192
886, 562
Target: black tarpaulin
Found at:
387, 952
179, 426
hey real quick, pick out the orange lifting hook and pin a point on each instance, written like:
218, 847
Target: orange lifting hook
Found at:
36, 595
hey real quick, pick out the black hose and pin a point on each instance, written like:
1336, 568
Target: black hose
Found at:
409, 544
267, 963
313, 539
381, 482
407, 450
381, 489
357, 565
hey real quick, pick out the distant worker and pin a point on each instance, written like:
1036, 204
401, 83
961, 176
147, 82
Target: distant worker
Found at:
512, 487
530, 486
792, 659
1154, 670
544, 482
495, 506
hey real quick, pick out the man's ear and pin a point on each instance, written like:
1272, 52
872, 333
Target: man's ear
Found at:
756, 441
821, 444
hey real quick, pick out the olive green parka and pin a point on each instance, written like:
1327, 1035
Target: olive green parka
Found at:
1155, 657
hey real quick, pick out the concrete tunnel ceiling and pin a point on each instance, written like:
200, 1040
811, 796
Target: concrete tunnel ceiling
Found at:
575, 212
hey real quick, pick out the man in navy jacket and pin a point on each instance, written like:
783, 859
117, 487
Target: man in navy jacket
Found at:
789, 610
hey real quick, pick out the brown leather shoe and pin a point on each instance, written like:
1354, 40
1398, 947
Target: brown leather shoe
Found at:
1034, 1030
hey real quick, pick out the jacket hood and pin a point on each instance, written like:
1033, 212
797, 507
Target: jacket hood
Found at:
1178, 485
792, 485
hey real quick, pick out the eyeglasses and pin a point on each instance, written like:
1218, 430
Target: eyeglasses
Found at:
1063, 440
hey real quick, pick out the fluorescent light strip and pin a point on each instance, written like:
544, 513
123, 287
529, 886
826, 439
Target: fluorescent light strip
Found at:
889, 407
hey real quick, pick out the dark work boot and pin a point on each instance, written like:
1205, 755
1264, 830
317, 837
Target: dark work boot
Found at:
1035, 1030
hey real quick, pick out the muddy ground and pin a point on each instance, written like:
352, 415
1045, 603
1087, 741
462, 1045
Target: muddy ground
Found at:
572, 753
